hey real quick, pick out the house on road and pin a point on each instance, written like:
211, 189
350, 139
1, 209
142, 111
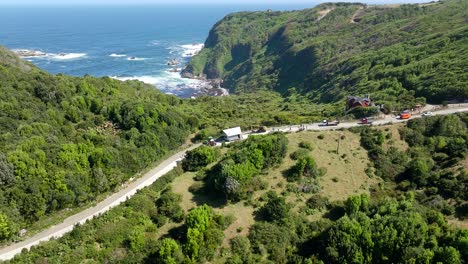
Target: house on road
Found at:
232, 134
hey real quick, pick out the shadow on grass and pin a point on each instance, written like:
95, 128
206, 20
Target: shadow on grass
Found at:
203, 196
335, 213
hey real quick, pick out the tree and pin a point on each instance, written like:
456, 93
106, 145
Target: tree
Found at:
198, 158
5, 231
169, 252
241, 246
419, 171
7, 176
200, 218
357, 203
168, 205
136, 239
305, 166
275, 209
447, 255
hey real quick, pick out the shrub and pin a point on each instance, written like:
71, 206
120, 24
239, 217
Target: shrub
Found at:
306, 145
298, 154
275, 208
317, 202
321, 136
305, 166
198, 158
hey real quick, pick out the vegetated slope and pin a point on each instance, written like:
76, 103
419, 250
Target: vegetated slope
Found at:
393, 53
242, 211
65, 140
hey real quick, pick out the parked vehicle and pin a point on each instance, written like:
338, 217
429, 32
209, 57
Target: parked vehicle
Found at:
366, 121
329, 123
427, 113
405, 114
212, 142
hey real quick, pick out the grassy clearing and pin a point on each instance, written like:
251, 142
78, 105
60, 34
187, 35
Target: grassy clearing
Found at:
462, 224
345, 164
244, 215
395, 137
345, 176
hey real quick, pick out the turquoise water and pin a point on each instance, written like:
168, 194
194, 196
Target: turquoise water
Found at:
133, 42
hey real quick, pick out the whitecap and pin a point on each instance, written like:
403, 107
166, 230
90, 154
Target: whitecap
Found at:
26, 53
66, 56
116, 55
166, 80
191, 49
156, 43
146, 79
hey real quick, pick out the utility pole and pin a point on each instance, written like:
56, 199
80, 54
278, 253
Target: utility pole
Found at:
338, 146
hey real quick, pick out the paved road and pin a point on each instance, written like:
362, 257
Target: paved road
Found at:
113, 200
386, 120
151, 176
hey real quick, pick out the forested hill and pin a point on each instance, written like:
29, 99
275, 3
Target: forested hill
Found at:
395, 53
64, 140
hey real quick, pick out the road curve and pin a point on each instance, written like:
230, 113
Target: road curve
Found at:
150, 177
113, 200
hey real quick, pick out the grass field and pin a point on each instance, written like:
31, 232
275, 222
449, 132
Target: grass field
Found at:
395, 138
345, 176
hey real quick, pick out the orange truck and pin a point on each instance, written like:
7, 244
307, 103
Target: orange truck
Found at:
405, 114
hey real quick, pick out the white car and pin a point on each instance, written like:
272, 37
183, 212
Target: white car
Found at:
427, 113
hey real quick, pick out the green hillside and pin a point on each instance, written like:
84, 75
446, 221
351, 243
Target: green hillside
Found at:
294, 198
65, 140
394, 53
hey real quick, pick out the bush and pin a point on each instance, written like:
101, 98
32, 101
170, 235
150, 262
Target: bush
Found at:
318, 202
299, 154
168, 205
275, 209
306, 145
321, 136
199, 158
305, 166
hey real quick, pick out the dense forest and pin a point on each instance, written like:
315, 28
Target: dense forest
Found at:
401, 221
401, 55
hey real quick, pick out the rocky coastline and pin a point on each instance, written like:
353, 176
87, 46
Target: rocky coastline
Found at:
211, 87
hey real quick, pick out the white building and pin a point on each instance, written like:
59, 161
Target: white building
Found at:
232, 134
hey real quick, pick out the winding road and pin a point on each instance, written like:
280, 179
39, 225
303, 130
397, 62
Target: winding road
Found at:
113, 200
150, 177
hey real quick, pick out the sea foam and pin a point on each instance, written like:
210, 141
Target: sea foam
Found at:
25, 53
191, 49
66, 56
117, 55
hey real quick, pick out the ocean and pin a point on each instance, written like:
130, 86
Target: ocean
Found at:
123, 42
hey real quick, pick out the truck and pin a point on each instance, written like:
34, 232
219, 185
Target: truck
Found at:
329, 123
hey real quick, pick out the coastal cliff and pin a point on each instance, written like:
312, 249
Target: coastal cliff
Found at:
333, 50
